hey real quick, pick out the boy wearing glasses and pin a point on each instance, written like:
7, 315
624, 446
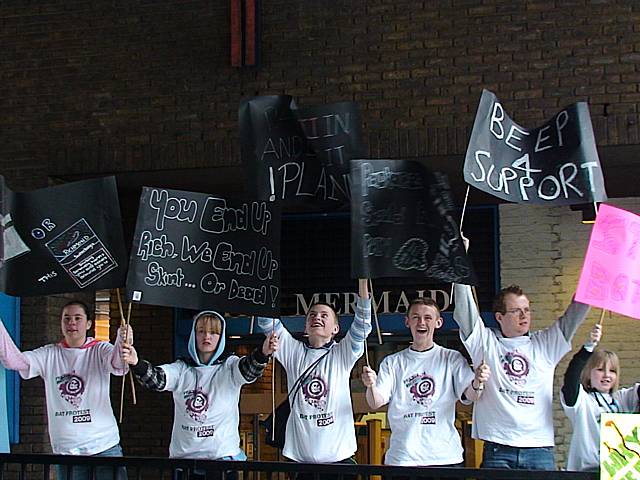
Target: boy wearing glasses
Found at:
514, 416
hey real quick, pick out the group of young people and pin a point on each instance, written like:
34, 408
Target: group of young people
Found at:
511, 387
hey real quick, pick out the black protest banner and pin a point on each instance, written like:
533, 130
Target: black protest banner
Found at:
62, 239
299, 156
198, 251
556, 163
402, 224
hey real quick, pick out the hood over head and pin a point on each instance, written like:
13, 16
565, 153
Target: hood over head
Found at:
193, 350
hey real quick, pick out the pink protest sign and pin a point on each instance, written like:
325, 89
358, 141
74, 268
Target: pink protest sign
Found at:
610, 277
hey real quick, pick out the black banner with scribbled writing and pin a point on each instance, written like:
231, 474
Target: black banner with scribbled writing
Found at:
300, 156
555, 164
402, 224
62, 239
194, 250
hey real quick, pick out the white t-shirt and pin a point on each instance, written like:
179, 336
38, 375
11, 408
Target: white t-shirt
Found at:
422, 389
205, 414
516, 407
584, 450
76, 382
320, 428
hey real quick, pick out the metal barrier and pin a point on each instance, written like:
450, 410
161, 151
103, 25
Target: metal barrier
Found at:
39, 467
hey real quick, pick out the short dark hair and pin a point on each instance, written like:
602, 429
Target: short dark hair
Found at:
426, 301
498, 301
326, 304
80, 304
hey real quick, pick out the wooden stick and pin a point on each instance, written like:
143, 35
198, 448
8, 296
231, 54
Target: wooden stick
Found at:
375, 313
601, 321
273, 390
125, 322
133, 385
120, 307
121, 324
475, 297
464, 207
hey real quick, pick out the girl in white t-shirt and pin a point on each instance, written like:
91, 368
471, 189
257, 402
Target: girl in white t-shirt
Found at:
77, 373
590, 389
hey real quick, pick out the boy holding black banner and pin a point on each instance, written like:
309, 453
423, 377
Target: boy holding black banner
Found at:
514, 417
320, 427
422, 384
76, 373
206, 389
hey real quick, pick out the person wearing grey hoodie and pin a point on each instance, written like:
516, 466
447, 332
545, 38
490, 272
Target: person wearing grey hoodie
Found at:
206, 389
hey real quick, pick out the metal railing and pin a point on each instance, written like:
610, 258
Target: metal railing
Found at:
40, 467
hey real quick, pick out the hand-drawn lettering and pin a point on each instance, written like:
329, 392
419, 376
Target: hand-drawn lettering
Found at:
154, 247
256, 295
157, 276
598, 283
376, 246
210, 284
389, 179
556, 163
392, 215
412, 255
612, 236
217, 217
326, 125
620, 288
634, 243
191, 253
223, 247
170, 208
267, 265
283, 148
225, 258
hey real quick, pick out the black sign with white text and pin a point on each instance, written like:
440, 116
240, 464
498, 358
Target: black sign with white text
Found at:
299, 157
62, 239
199, 251
555, 164
402, 224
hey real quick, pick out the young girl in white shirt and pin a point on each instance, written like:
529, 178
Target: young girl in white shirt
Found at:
590, 389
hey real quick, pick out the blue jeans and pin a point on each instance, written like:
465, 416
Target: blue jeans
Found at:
83, 472
495, 455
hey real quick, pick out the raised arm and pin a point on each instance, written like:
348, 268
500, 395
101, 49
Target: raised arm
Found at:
465, 312
361, 325
573, 317
268, 325
571, 385
10, 356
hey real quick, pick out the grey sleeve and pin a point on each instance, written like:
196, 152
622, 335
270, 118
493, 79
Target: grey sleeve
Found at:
465, 312
572, 318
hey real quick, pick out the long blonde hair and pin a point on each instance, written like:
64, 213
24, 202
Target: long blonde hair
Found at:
600, 358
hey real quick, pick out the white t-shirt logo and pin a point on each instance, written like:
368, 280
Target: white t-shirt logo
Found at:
516, 366
71, 387
315, 391
422, 387
196, 403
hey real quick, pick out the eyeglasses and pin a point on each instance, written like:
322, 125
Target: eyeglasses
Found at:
519, 311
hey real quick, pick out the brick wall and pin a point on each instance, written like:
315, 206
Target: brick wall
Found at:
113, 86
542, 250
